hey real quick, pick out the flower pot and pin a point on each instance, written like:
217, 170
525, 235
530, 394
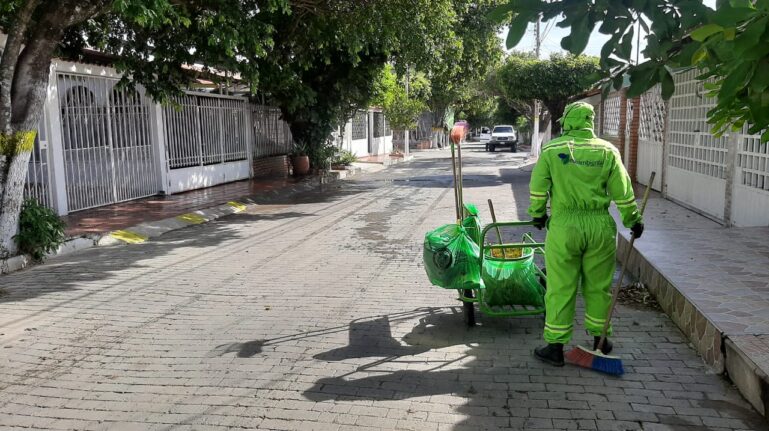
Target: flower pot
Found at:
301, 165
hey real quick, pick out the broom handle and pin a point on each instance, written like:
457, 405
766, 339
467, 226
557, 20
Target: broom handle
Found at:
459, 173
499, 234
625, 260
456, 187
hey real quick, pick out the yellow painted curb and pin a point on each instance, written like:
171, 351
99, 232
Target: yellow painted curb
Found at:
237, 205
191, 218
128, 237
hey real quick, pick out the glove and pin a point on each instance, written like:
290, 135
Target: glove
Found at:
540, 222
637, 229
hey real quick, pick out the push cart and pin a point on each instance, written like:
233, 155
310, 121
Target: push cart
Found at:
502, 278
504, 268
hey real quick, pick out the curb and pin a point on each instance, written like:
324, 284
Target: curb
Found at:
723, 354
143, 232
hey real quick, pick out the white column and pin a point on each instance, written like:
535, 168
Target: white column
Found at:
56, 145
157, 130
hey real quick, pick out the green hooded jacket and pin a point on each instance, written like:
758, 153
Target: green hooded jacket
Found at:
581, 174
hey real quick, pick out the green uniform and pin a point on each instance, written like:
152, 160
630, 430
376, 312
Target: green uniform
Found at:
580, 175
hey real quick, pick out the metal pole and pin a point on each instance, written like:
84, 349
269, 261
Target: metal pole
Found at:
535, 130
407, 131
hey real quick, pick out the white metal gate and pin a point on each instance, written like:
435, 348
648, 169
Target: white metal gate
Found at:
38, 183
109, 155
696, 165
651, 134
750, 200
207, 141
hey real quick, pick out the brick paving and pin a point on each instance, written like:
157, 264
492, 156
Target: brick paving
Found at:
318, 316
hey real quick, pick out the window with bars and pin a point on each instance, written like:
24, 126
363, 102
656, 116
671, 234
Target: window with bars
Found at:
611, 115
360, 125
652, 126
379, 125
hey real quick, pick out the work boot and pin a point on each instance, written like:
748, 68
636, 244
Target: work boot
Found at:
607, 346
551, 354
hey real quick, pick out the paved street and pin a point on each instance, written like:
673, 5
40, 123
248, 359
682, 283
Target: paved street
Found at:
317, 314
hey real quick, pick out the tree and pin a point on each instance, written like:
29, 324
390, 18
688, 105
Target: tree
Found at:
729, 45
554, 81
400, 109
476, 52
152, 39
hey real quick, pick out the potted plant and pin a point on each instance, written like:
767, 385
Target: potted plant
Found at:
300, 161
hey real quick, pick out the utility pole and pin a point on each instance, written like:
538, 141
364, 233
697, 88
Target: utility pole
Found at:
407, 131
535, 144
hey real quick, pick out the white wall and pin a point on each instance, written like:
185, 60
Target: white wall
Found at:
198, 177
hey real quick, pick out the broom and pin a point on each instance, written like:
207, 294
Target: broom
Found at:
595, 359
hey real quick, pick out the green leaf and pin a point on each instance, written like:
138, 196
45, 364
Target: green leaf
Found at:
765, 137
729, 33
700, 55
580, 34
760, 80
736, 79
642, 77
741, 4
668, 85
728, 16
626, 46
499, 13
516, 30
747, 40
706, 31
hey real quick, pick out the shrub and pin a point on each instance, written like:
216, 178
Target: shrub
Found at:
41, 230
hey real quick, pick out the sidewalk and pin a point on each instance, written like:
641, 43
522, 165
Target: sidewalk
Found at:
138, 220
714, 283
123, 215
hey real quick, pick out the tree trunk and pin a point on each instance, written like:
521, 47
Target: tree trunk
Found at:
10, 206
23, 83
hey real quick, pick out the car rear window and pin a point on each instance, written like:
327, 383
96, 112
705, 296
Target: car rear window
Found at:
503, 130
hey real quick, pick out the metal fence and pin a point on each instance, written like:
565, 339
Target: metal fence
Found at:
38, 183
205, 130
109, 155
272, 135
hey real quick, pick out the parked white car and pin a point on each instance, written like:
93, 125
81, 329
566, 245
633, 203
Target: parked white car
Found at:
485, 135
503, 136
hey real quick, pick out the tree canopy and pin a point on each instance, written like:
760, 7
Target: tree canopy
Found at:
554, 81
401, 109
729, 45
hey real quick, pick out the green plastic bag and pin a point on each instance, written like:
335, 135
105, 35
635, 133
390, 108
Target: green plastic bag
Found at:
451, 258
511, 281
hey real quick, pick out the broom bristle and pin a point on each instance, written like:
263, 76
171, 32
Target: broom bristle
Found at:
595, 360
580, 357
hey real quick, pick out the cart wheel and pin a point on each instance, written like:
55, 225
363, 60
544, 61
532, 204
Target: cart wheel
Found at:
469, 309
492, 148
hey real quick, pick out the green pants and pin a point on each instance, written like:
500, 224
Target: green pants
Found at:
580, 249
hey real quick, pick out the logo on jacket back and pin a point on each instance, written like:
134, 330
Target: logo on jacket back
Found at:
591, 163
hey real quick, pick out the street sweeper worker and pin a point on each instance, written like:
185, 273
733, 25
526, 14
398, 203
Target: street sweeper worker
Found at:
579, 175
